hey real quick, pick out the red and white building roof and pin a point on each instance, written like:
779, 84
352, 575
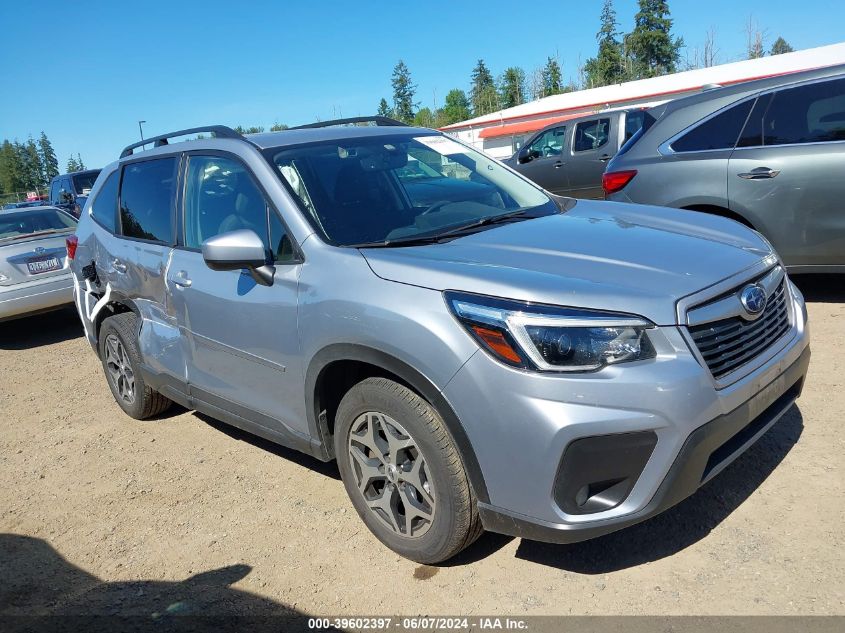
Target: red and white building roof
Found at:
499, 133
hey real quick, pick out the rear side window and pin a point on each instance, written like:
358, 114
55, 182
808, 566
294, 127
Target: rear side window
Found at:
633, 122
718, 132
104, 207
146, 200
591, 135
807, 114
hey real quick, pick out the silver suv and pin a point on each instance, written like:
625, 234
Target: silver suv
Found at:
474, 352
768, 153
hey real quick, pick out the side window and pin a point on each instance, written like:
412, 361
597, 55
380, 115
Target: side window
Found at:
220, 196
590, 134
633, 122
146, 200
752, 133
718, 132
281, 246
550, 142
807, 114
54, 192
104, 206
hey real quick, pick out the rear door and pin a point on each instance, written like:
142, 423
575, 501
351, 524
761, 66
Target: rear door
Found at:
549, 168
590, 151
787, 174
134, 263
243, 337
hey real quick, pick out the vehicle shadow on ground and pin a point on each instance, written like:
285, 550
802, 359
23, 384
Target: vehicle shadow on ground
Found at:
327, 469
679, 527
37, 582
42, 329
821, 288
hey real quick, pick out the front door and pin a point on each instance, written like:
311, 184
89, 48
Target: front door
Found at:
243, 343
548, 169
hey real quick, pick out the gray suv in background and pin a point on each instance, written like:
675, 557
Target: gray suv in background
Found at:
474, 352
568, 158
768, 153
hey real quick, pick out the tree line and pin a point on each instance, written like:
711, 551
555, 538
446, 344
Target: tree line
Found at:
649, 50
31, 165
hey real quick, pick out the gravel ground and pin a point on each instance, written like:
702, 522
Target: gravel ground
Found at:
102, 513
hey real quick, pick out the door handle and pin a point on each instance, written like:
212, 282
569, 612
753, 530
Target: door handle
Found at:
181, 279
605, 158
759, 173
558, 164
118, 266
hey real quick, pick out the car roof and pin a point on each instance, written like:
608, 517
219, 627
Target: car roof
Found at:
265, 140
754, 86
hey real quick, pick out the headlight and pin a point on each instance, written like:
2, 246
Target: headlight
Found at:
549, 338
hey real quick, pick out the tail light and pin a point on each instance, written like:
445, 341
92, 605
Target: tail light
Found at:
71, 241
614, 181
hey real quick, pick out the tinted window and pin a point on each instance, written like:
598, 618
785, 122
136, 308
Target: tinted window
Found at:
220, 196
84, 183
104, 207
719, 132
807, 114
752, 135
54, 191
590, 135
550, 142
633, 122
146, 196
280, 243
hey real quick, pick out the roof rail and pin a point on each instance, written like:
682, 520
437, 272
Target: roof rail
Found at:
219, 131
378, 120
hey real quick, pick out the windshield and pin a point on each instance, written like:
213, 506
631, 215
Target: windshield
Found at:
398, 187
19, 224
83, 183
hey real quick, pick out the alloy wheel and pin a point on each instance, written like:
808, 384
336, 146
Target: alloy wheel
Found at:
119, 369
391, 474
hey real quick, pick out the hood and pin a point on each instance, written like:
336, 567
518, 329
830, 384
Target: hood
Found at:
601, 255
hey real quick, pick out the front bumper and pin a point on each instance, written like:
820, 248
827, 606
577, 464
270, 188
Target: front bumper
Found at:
684, 431
706, 452
35, 296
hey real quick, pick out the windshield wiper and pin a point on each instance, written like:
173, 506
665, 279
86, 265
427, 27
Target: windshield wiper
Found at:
437, 238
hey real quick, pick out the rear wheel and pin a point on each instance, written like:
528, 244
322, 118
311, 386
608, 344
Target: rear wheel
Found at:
121, 359
403, 472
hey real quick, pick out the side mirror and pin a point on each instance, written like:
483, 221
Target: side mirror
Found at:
526, 155
238, 250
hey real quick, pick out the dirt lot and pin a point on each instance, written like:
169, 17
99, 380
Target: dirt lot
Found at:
100, 512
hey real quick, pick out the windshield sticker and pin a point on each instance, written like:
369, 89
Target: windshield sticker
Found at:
441, 144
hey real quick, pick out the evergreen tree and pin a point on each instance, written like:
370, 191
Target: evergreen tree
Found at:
72, 165
608, 67
49, 162
278, 127
31, 170
483, 94
424, 118
403, 93
780, 47
10, 179
455, 109
652, 48
383, 108
552, 78
82, 166
512, 87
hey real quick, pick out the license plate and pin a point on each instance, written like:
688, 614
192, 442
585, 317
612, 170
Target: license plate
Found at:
43, 265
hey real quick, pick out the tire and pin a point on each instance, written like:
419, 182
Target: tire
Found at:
118, 346
411, 490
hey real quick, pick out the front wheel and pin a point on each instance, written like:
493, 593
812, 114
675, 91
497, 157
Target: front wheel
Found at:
403, 473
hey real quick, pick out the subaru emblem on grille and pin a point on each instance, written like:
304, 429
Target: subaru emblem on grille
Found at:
39, 250
753, 299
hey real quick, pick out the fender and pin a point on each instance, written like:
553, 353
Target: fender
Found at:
420, 383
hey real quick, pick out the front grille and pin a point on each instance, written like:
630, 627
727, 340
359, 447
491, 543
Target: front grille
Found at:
728, 344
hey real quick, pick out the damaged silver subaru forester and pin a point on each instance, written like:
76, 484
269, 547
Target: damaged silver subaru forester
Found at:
474, 352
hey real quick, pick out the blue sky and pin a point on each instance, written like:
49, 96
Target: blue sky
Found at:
86, 72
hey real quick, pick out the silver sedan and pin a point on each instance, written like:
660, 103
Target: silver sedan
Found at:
34, 273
